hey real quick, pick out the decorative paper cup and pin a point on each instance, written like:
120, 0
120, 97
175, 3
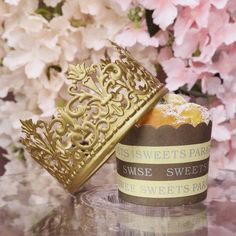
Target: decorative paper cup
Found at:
164, 166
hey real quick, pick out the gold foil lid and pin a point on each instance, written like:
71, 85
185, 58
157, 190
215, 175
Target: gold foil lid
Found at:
107, 100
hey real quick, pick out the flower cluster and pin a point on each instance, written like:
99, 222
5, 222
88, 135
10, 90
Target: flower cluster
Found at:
189, 44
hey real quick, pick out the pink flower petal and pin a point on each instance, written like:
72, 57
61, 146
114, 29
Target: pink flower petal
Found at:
191, 78
92, 7
164, 14
15, 82
130, 36
187, 17
182, 25
94, 37
124, 4
32, 23
126, 39
46, 101
211, 85
229, 33
165, 54
231, 7
178, 74
144, 38
163, 37
51, 3
188, 46
12, 2
219, 4
225, 64
201, 14
59, 25
220, 133
191, 3
228, 98
218, 114
230, 106
150, 4
16, 59
47, 54
34, 69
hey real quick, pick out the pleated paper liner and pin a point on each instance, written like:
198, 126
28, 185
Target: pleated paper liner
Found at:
164, 166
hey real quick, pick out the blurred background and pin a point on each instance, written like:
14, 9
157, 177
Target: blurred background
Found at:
189, 45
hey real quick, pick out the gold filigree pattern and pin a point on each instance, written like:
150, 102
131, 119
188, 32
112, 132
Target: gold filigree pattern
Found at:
107, 99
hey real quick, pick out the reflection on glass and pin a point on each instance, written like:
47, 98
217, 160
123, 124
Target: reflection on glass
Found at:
102, 212
99, 212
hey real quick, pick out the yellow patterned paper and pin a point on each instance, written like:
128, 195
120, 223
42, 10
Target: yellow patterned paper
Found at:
163, 154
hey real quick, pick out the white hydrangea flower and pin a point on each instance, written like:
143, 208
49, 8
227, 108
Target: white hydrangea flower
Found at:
51, 3
13, 2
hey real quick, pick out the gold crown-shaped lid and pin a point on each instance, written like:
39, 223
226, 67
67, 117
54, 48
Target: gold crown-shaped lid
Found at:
107, 100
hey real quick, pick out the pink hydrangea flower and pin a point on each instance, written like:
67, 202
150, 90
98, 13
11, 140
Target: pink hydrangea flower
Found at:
165, 11
178, 74
211, 84
219, 131
124, 4
228, 97
131, 35
188, 17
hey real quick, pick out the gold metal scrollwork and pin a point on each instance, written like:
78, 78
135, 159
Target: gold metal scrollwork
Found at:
105, 97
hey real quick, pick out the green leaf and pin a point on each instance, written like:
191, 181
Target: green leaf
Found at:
171, 39
197, 52
195, 91
152, 28
44, 12
77, 23
58, 9
19, 151
21, 156
61, 102
49, 12
57, 68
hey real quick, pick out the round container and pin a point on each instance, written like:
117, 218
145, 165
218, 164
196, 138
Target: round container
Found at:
102, 213
164, 166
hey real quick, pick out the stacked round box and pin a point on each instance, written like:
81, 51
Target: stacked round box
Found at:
164, 166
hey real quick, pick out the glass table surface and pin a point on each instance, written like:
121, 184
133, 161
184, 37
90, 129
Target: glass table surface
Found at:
98, 211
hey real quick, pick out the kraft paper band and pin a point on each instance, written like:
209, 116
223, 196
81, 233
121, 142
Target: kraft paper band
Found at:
163, 154
162, 189
164, 171
167, 135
